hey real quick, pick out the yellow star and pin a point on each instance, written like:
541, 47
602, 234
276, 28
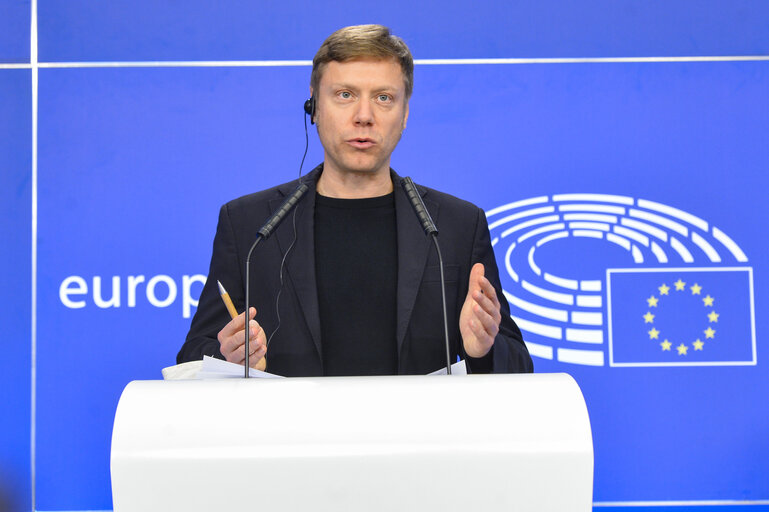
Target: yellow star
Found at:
654, 334
664, 289
652, 301
698, 345
680, 285
709, 333
682, 349
713, 316
665, 345
696, 289
648, 318
708, 300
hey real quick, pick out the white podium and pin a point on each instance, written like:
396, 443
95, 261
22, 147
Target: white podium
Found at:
421, 443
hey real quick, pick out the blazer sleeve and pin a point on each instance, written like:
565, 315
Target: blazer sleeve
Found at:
211, 314
509, 353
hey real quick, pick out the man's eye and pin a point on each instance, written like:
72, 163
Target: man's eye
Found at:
384, 98
345, 95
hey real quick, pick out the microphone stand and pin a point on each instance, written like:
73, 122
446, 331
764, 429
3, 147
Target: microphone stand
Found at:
264, 232
430, 229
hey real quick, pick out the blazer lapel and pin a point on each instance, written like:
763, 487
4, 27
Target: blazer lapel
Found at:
413, 249
300, 264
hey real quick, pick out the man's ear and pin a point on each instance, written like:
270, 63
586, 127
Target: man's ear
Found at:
313, 102
405, 117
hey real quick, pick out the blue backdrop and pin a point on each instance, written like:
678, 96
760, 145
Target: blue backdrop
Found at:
603, 182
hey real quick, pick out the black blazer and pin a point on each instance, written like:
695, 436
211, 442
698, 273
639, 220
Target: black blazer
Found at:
296, 348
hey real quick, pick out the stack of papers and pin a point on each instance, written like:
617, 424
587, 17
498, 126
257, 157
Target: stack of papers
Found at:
213, 368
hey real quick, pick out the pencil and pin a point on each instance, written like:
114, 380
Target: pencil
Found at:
262, 364
227, 300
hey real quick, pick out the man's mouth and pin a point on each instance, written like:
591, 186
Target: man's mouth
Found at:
361, 142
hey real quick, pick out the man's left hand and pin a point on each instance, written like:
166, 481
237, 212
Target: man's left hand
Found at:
480, 316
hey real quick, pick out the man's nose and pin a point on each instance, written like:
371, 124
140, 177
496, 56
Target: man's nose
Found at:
364, 114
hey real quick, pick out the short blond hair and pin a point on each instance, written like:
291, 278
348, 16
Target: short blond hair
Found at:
361, 41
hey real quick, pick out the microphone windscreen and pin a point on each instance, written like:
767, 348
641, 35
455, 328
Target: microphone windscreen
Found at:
288, 204
419, 206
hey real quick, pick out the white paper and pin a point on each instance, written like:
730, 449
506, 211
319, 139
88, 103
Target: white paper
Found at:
183, 371
211, 368
458, 368
214, 368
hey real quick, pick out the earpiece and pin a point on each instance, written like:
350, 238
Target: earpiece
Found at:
309, 109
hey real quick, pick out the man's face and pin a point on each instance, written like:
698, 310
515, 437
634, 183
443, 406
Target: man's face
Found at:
360, 113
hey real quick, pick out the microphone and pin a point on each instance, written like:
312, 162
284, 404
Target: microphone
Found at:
419, 206
432, 231
288, 204
264, 232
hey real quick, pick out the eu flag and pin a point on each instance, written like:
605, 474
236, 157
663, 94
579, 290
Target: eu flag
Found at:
681, 317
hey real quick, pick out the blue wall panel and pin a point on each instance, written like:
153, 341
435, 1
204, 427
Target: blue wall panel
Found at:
15, 272
158, 150
689, 135
135, 162
651, 129
83, 30
14, 30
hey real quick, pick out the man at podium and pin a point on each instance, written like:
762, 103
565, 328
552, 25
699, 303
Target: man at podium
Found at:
349, 283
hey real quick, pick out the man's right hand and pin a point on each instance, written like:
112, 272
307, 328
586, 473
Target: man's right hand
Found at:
232, 341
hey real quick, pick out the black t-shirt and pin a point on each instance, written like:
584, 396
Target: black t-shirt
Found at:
356, 266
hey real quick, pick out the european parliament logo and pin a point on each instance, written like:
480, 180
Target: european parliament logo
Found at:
598, 279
